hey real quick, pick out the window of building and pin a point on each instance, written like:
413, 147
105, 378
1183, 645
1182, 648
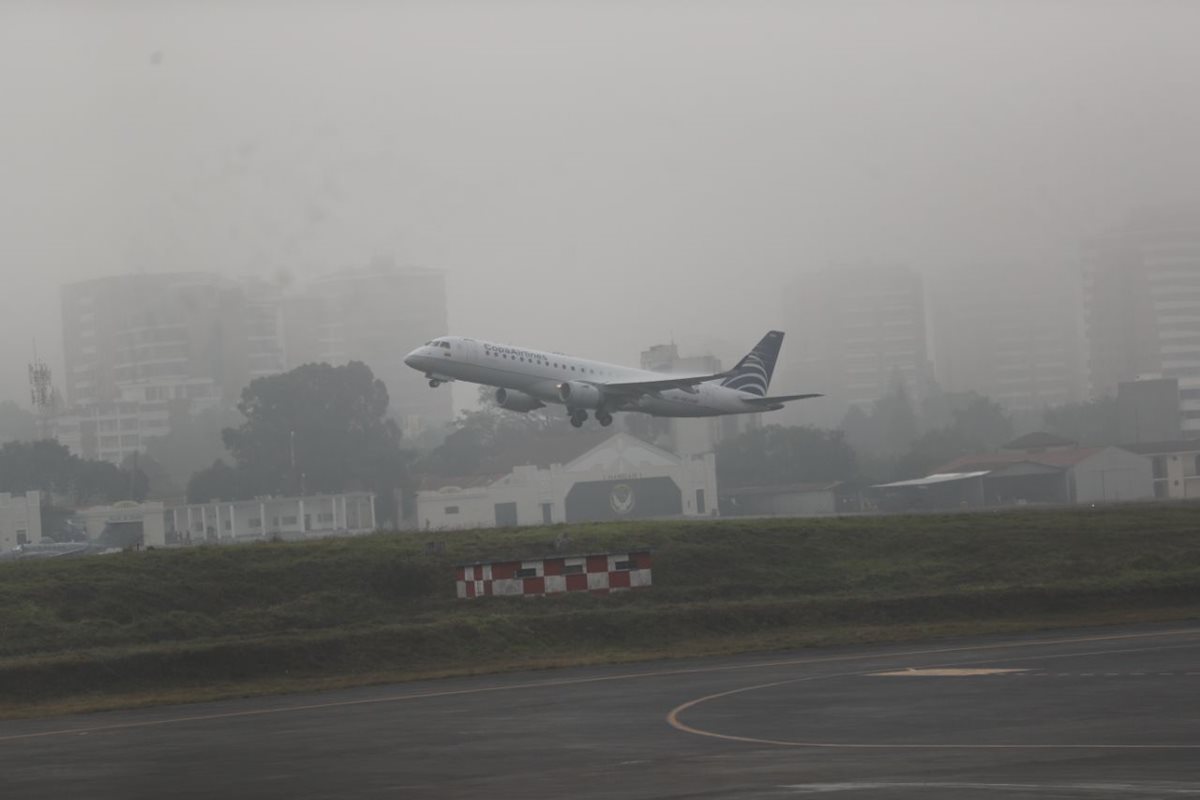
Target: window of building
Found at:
256, 522
625, 566
527, 572
572, 569
451, 509
1160, 466
290, 520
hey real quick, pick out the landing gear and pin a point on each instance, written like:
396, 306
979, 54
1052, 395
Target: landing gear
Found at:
578, 417
434, 383
604, 418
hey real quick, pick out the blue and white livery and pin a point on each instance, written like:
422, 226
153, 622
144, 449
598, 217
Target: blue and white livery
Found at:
528, 379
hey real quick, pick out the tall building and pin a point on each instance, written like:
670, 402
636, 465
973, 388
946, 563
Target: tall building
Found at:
1142, 305
1010, 336
262, 329
689, 436
133, 344
155, 337
852, 331
375, 315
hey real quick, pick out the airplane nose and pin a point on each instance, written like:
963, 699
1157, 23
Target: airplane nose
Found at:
411, 359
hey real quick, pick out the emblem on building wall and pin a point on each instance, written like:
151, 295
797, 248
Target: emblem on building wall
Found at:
621, 498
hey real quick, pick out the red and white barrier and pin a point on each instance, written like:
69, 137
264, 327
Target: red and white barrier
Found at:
598, 573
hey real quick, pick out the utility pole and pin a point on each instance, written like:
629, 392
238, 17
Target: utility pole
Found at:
292, 448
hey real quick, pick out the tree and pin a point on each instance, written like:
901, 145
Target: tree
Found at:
218, 482
777, 455
984, 421
888, 430
192, 443
492, 440
895, 419
49, 467
151, 478
317, 428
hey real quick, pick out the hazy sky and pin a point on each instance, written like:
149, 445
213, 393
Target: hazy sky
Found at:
594, 177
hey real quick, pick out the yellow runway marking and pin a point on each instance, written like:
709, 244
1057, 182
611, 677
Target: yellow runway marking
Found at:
675, 722
600, 679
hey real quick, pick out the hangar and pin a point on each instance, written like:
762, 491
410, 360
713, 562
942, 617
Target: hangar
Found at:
1035, 469
622, 477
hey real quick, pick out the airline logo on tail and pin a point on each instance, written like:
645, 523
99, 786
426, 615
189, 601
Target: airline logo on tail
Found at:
753, 373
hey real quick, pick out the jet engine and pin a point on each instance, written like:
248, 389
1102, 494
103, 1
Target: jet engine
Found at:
576, 394
517, 401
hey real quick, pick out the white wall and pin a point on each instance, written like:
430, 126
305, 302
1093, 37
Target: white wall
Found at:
529, 487
1113, 475
20, 518
284, 516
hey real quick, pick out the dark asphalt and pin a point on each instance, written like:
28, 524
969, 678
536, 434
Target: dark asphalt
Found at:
1100, 713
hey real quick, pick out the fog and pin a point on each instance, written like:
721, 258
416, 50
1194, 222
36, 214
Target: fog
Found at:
593, 177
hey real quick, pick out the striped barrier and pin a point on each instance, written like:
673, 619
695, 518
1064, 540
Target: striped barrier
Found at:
598, 573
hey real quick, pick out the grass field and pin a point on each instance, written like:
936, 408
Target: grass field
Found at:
170, 625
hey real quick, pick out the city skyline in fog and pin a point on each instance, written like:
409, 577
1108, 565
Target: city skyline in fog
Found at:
595, 178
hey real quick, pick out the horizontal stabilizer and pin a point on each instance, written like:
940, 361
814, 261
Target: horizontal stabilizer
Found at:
783, 398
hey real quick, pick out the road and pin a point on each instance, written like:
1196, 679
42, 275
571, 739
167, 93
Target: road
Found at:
1097, 713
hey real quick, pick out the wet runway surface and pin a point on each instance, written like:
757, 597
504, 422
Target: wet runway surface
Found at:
1097, 713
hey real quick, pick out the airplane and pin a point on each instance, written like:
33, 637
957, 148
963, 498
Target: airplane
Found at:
529, 379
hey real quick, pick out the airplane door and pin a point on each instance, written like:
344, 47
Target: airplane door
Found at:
465, 350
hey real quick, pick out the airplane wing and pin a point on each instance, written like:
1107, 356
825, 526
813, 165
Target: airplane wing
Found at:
783, 398
647, 387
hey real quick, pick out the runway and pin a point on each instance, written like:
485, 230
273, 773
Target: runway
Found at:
1097, 713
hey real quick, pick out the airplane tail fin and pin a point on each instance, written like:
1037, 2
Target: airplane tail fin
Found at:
753, 373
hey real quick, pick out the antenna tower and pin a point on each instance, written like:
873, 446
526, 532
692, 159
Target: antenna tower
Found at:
41, 393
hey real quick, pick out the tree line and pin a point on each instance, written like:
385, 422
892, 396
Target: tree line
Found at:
326, 429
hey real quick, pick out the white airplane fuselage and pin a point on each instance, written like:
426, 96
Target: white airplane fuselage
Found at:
540, 375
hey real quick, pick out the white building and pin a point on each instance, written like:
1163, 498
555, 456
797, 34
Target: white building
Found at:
1176, 466
621, 478
313, 516
20, 519
149, 516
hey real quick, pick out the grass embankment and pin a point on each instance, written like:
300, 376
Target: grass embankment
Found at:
203, 622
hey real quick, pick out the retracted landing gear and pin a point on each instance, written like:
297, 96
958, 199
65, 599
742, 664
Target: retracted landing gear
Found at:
578, 417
